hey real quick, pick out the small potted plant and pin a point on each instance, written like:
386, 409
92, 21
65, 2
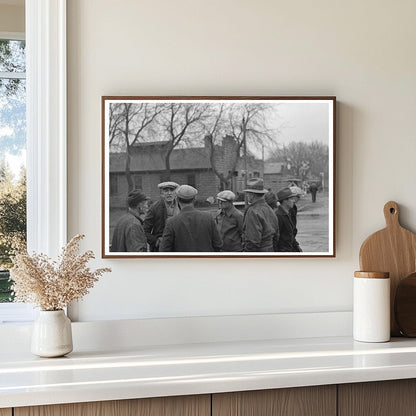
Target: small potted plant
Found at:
52, 286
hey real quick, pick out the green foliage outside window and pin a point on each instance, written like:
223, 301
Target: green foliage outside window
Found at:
12, 223
12, 147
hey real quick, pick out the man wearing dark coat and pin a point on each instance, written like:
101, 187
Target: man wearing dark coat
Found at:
287, 239
293, 212
229, 221
313, 189
190, 230
260, 225
159, 212
129, 235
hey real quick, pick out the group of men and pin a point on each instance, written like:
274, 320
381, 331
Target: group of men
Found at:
173, 224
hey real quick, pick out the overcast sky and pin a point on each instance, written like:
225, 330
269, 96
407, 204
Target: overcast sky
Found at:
305, 121
15, 160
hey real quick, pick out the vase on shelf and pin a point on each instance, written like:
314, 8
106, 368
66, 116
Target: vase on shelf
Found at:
52, 334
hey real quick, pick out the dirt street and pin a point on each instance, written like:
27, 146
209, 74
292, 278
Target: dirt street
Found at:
313, 223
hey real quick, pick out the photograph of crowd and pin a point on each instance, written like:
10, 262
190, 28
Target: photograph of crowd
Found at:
222, 176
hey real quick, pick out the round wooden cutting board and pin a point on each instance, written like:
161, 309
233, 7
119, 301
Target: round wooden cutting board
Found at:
393, 250
405, 306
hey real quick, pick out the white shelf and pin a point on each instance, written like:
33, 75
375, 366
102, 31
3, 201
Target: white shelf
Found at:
151, 371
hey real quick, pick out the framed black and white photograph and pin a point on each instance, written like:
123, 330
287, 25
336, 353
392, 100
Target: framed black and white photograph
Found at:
218, 177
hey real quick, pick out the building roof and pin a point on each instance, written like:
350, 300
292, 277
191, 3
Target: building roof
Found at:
159, 143
147, 160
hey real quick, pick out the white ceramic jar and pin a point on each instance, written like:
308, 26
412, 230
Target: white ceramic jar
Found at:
52, 334
371, 309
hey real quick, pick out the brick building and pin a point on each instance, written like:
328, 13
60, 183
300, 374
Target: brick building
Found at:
275, 175
190, 166
187, 165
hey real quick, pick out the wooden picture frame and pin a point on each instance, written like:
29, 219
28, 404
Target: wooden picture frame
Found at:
257, 146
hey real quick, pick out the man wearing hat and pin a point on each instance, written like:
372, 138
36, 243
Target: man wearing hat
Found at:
190, 230
129, 235
229, 221
313, 189
155, 220
271, 199
260, 225
287, 240
293, 212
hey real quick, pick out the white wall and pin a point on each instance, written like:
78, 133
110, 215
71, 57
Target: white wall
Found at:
363, 52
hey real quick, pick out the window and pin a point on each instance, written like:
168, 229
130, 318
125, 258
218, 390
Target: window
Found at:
191, 180
138, 181
13, 154
46, 136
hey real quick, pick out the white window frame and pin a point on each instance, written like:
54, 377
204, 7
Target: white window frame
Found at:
10, 312
46, 134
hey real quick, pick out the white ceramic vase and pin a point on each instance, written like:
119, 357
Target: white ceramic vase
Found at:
52, 334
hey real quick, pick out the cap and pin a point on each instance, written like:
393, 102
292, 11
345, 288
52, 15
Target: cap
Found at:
186, 192
226, 196
168, 184
135, 197
284, 193
270, 198
255, 185
296, 190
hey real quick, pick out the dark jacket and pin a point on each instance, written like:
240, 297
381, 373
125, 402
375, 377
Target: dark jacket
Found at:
313, 188
154, 223
293, 213
129, 236
260, 227
191, 230
230, 226
287, 241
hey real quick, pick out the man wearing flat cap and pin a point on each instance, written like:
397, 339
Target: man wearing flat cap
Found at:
287, 239
260, 225
129, 235
157, 215
190, 230
229, 221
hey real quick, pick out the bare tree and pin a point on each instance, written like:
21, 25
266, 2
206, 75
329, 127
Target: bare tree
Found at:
116, 118
215, 132
182, 123
319, 158
296, 156
304, 159
247, 125
128, 122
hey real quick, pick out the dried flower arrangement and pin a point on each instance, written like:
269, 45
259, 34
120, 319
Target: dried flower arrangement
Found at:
53, 285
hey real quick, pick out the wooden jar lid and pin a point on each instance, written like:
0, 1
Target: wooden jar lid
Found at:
373, 275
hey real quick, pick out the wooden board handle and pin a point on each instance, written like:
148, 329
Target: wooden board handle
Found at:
391, 214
